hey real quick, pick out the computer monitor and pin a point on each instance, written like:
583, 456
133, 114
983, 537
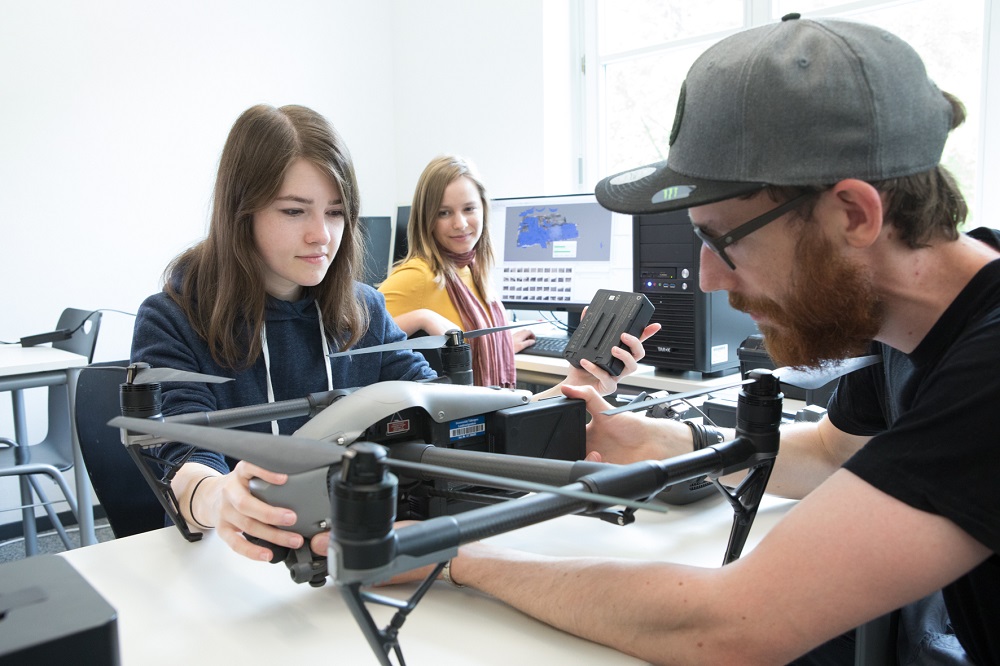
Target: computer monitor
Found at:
400, 246
554, 252
377, 232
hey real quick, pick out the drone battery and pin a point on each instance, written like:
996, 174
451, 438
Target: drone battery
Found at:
555, 429
610, 314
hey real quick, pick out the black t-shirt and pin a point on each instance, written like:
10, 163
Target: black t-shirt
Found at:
934, 417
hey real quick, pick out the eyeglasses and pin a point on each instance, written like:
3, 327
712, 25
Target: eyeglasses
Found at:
719, 245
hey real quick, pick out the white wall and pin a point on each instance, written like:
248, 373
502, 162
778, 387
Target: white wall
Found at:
468, 80
113, 114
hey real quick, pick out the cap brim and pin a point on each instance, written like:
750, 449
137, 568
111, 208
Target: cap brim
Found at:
656, 188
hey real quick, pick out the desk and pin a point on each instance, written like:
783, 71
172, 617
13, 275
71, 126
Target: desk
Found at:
548, 370
30, 367
181, 602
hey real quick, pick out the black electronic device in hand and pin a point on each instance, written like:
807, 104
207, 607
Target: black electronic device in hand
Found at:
610, 314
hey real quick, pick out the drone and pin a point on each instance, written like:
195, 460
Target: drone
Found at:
372, 455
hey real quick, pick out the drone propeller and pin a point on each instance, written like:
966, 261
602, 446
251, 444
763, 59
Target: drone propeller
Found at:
141, 373
288, 455
432, 341
296, 455
646, 404
809, 379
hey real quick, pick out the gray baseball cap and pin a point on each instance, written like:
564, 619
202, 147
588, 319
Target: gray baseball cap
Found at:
800, 102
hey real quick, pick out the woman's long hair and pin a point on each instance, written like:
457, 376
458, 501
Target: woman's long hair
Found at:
436, 177
219, 282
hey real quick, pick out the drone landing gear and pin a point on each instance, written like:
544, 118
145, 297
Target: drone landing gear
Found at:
385, 641
745, 500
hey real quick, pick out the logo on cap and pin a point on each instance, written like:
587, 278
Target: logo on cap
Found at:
674, 193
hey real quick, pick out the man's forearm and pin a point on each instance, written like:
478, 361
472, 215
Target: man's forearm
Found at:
809, 454
609, 602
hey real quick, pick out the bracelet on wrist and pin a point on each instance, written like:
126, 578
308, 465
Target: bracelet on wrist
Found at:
703, 436
191, 504
446, 575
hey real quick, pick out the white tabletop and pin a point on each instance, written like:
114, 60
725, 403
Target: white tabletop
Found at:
646, 377
18, 360
27, 367
181, 602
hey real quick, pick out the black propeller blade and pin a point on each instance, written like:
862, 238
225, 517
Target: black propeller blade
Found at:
809, 379
432, 341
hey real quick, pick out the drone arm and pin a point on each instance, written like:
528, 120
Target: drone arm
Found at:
524, 468
367, 549
755, 446
251, 414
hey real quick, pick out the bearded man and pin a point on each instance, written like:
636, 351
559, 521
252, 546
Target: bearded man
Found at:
808, 154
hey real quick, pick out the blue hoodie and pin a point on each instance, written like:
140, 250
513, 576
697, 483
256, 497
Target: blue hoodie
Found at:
163, 337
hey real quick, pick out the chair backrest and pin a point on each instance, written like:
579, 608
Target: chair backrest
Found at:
84, 341
58, 435
129, 503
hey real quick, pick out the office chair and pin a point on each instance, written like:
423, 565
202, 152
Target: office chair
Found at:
54, 454
129, 504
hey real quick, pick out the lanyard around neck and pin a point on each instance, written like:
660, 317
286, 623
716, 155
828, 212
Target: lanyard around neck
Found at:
267, 361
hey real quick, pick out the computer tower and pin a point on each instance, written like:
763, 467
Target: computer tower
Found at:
699, 332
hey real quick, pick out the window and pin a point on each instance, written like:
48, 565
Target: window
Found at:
642, 50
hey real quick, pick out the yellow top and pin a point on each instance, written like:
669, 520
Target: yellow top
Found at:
411, 286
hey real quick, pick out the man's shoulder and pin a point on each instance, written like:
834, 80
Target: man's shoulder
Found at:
989, 236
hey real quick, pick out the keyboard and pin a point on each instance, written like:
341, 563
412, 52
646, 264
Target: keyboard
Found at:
553, 347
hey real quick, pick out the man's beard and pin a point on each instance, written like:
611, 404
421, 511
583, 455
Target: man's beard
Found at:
831, 313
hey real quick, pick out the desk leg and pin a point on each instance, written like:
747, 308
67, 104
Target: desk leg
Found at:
85, 506
27, 496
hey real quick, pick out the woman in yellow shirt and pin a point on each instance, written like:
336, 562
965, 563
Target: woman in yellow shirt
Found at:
443, 283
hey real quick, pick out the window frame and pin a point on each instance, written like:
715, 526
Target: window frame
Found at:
592, 95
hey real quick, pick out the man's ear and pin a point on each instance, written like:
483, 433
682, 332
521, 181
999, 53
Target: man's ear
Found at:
859, 211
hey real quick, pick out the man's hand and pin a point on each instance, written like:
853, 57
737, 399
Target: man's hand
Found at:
627, 438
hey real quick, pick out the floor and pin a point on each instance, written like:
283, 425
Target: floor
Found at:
49, 542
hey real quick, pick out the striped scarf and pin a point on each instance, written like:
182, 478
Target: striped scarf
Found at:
493, 354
